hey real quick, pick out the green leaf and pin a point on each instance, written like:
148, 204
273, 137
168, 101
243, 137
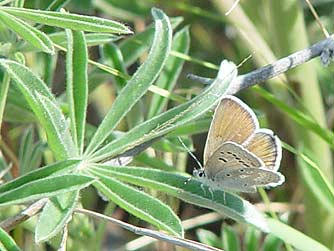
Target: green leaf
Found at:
252, 239
30, 154
193, 192
133, 47
272, 243
77, 85
43, 103
56, 213
230, 239
193, 127
171, 72
16, 114
45, 187
92, 39
314, 178
69, 21
57, 4
140, 81
316, 181
3, 96
208, 238
306, 121
56, 127
139, 204
144, 158
293, 237
55, 168
7, 242
173, 118
29, 33
112, 56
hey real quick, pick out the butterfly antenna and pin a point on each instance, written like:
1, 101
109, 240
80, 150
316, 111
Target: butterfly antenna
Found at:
190, 153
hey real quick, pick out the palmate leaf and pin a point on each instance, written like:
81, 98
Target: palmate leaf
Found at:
199, 194
174, 184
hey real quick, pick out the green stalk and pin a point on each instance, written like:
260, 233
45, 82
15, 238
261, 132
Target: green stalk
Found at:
289, 34
285, 22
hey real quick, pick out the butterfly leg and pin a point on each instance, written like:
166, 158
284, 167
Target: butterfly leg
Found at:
211, 192
224, 197
187, 180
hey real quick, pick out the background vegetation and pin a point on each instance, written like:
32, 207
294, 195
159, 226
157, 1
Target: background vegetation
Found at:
91, 91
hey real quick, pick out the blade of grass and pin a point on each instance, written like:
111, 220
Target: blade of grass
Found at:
7, 242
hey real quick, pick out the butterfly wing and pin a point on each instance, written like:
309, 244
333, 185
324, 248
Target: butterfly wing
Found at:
233, 167
247, 179
232, 156
267, 147
233, 121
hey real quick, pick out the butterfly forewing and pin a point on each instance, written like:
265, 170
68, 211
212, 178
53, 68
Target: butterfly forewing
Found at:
267, 147
230, 155
233, 121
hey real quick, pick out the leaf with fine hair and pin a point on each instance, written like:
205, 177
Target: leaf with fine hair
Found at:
29, 33
138, 203
44, 105
56, 213
173, 118
139, 82
68, 20
77, 85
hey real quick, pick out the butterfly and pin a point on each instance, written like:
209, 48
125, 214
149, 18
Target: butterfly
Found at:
239, 156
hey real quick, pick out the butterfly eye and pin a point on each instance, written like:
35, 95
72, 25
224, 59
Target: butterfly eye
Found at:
201, 174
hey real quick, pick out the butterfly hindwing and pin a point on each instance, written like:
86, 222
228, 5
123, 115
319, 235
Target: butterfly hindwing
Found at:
246, 179
267, 147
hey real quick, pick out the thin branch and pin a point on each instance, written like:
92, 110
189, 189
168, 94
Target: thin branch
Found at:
193, 245
324, 49
62, 246
208, 218
24, 215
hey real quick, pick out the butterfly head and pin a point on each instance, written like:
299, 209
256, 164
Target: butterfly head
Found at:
199, 173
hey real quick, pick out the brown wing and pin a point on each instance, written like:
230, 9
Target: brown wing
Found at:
230, 156
233, 121
267, 147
